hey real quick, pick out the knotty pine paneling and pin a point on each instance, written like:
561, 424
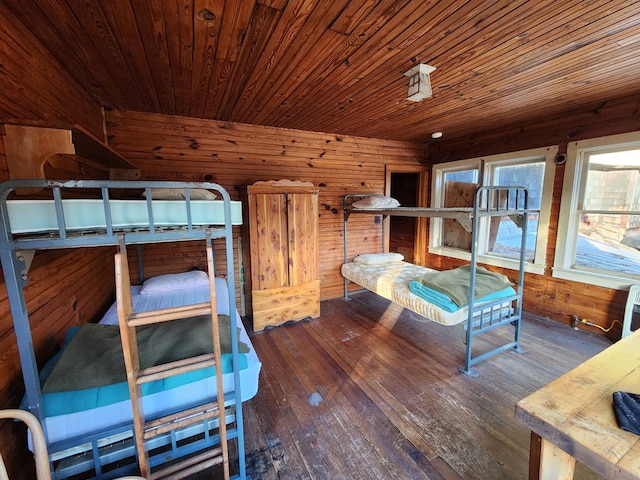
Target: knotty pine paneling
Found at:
234, 155
36, 89
66, 288
176, 257
544, 295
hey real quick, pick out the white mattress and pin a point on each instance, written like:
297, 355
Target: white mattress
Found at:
70, 425
391, 281
30, 216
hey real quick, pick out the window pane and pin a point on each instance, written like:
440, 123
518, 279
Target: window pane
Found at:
612, 181
505, 234
530, 175
604, 244
459, 190
505, 237
467, 176
610, 242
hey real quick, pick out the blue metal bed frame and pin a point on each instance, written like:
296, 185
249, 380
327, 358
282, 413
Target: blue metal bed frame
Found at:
489, 201
111, 447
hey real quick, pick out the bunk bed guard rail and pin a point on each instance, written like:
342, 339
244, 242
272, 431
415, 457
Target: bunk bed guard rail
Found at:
15, 248
489, 201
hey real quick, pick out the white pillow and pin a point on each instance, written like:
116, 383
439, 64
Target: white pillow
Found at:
379, 258
174, 281
178, 194
375, 202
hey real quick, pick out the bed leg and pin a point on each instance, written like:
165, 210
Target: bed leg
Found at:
470, 372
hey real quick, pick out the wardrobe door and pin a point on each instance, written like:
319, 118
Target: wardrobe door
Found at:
284, 255
269, 237
302, 215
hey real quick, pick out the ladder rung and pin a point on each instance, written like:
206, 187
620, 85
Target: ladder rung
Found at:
189, 466
167, 314
181, 419
203, 416
169, 369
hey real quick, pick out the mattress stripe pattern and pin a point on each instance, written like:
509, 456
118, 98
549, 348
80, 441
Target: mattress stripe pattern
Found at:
391, 281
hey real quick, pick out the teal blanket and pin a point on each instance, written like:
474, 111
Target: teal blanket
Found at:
455, 284
90, 370
443, 301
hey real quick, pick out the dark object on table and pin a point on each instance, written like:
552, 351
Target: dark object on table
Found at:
627, 409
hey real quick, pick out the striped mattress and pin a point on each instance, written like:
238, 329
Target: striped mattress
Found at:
391, 281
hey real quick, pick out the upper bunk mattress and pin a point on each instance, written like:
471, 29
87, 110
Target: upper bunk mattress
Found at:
32, 216
391, 281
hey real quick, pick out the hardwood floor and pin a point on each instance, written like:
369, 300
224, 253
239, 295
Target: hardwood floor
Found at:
368, 391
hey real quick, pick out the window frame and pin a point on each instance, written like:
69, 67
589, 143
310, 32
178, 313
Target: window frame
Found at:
485, 167
571, 203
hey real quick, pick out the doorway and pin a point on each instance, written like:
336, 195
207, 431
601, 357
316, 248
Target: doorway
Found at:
407, 235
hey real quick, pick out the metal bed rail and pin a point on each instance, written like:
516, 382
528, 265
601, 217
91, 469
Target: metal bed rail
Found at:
489, 201
15, 264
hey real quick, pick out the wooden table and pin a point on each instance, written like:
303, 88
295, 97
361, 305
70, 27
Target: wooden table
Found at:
572, 417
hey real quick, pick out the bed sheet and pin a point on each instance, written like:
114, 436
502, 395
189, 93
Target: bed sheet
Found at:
67, 426
391, 281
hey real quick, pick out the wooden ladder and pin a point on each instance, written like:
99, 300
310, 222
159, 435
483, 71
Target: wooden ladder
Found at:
136, 377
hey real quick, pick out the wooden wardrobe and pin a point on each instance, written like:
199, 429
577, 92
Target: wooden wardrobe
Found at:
283, 231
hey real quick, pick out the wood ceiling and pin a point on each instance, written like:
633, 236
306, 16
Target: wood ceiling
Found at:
337, 66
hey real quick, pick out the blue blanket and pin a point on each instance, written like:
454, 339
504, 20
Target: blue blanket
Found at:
445, 302
455, 283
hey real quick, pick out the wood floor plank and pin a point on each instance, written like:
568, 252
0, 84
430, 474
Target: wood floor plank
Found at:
371, 391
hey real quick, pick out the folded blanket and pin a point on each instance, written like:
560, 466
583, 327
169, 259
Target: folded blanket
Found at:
444, 302
93, 358
455, 283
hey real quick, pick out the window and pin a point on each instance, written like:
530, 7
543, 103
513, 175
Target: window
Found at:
499, 239
599, 225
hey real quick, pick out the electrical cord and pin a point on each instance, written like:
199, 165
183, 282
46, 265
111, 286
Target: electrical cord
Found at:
591, 324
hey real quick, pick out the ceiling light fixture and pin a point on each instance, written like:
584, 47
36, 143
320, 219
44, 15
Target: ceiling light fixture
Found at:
419, 82
436, 135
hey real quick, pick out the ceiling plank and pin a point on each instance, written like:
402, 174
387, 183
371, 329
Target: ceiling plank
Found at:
151, 25
60, 32
96, 28
263, 22
237, 18
207, 20
329, 59
471, 96
179, 24
280, 42
122, 24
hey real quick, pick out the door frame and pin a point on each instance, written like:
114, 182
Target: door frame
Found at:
420, 240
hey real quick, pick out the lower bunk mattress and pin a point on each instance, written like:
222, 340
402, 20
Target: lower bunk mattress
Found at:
392, 280
73, 414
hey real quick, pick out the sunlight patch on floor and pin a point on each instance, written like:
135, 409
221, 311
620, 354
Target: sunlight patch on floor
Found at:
390, 316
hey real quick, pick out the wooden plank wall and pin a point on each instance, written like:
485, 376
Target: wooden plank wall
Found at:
32, 97
65, 288
235, 155
544, 295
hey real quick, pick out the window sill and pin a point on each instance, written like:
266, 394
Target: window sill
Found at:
597, 279
487, 260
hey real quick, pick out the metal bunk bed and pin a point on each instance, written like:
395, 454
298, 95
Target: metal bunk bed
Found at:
110, 447
489, 201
